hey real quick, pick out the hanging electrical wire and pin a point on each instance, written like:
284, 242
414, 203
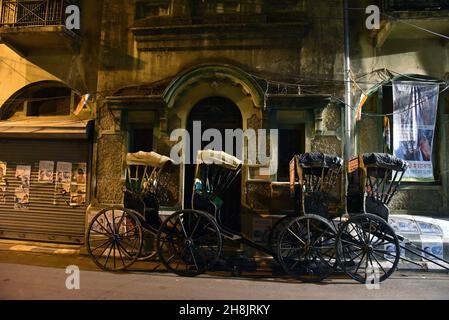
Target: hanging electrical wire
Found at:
415, 26
384, 71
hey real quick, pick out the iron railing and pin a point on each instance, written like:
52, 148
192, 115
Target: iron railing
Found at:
22, 13
414, 5
201, 8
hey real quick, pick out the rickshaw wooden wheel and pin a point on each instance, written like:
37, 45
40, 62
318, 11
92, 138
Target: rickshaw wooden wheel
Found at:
306, 248
149, 245
367, 248
189, 242
114, 238
276, 231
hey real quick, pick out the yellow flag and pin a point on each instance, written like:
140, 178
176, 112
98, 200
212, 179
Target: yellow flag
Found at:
81, 104
363, 99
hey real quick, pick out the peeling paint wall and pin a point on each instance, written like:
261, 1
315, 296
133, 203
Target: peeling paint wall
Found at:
316, 55
404, 50
19, 72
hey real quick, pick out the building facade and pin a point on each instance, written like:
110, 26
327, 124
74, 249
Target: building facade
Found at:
228, 64
45, 142
152, 67
409, 46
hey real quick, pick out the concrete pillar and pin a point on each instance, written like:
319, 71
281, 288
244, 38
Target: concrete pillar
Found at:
318, 121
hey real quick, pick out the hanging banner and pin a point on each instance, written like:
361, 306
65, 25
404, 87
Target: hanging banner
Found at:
22, 192
46, 171
415, 110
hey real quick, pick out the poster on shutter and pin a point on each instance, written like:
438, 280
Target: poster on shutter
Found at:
22, 192
3, 167
63, 172
77, 195
23, 174
21, 198
46, 171
62, 183
62, 189
79, 173
78, 186
2, 193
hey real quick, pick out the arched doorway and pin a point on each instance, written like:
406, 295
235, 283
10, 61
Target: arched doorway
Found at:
221, 114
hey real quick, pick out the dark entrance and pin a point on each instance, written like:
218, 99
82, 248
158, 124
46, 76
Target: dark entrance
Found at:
221, 114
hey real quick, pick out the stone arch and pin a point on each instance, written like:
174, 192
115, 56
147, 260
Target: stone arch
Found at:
198, 83
204, 81
26, 92
215, 74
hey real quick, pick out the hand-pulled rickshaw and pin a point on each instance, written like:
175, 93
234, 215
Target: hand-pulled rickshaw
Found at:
361, 243
118, 236
310, 246
190, 242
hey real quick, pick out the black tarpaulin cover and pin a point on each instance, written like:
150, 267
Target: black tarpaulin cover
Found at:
320, 160
385, 161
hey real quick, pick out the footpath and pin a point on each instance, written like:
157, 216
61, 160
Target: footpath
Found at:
429, 234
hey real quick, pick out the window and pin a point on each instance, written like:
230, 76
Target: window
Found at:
49, 102
47, 98
291, 142
287, 6
141, 139
140, 126
147, 9
201, 8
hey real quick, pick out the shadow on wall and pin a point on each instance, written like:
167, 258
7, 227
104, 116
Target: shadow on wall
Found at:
116, 59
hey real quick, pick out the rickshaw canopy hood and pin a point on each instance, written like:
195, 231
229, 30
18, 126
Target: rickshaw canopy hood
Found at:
319, 160
385, 161
143, 158
220, 158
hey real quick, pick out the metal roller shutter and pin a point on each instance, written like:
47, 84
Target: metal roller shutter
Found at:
48, 217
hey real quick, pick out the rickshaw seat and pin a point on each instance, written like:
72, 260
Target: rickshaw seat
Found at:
145, 205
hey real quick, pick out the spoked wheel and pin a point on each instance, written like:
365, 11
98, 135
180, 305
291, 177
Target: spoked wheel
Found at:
149, 245
114, 239
367, 248
189, 242
306, 248
276, 230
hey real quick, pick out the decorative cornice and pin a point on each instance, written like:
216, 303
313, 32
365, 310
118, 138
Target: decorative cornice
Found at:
155, 102
219, 36
297, 101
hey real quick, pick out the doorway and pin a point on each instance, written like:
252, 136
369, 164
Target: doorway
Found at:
221, 114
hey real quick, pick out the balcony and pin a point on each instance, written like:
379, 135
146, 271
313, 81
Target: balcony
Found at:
166, 12
403, 18
218, 24
37, 27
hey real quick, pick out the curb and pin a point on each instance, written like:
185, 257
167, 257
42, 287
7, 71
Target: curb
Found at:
36, 247
424, 232
265, 265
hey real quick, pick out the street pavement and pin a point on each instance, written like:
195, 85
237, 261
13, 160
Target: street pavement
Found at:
37, 275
